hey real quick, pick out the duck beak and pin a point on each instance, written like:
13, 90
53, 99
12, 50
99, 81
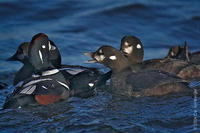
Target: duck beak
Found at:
90, 54
13, 58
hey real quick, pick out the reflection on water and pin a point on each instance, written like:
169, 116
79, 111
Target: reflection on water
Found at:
80, 26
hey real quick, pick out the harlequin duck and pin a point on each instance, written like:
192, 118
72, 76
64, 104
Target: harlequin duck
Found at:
132, 48
79, 79
175, 66
48, 86
27, 69
179, 52
128, 81
55, 58
183, 53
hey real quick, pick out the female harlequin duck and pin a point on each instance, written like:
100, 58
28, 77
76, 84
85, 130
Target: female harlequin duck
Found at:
48, 86
178, 52
130, 81
179, 67
183, 53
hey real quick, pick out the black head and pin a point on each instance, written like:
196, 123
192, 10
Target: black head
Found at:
110, 57
39, 52
132, 48
21, 53
54, 55
178, 52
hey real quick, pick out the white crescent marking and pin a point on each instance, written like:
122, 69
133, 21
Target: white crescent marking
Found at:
63, 84
40, 54
44, 87
49, 45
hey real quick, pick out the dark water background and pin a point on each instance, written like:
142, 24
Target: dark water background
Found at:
77, 26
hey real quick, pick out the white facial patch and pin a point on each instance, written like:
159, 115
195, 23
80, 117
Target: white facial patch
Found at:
113, 57
91, 84
126, 43
40, 54
138, 46
100, 51
172, 53
43, 46
99, 58
128, 50
51, 47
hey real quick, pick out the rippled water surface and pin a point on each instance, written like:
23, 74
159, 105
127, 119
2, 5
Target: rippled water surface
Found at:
78, 26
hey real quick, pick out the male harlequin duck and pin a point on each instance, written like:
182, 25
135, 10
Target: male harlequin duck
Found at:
175, 66
22, 56
126, 80
54, 55
48, 86
81, 84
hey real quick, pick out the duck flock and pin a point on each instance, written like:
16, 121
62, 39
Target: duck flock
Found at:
43, 80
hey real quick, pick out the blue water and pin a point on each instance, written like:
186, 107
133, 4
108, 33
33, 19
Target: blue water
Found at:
77, 26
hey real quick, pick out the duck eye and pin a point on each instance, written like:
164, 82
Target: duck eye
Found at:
51, 47
138, 46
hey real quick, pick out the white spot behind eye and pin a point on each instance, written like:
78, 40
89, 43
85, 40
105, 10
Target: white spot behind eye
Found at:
128, 50
113, 57
126, 43
40, 54
43, 46
91, 84
139, 46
